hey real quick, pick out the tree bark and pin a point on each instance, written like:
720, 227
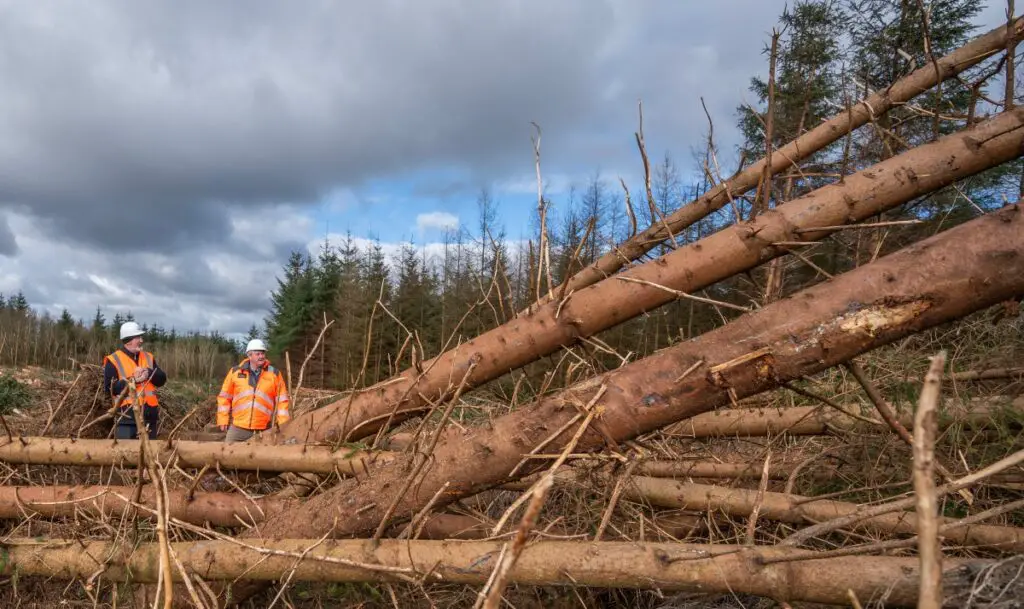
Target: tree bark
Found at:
985, 375
213, 509
682, 468
728, 252
795, 420
942, 278
773, 421
663, 566
241, 456
706, 469
450, 526
804, 421
795, 509
201, 508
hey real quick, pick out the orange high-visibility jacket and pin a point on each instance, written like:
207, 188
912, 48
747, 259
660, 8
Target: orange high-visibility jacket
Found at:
126, 368
250, 402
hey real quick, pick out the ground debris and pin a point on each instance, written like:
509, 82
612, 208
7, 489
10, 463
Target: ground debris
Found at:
997, 586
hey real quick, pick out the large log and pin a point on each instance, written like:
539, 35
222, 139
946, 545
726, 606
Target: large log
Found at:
241, 456
790, 155
200, 508
682, 468
663, 566
808, 421
939, 279
717, 257
796, 420
204, 508
796, 509
793, 421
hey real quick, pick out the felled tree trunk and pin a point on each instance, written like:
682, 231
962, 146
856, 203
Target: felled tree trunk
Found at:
203, 508
796, 420
803, 421
937, 280
664, 566
243, 456
661, 469
770, 421
728, 252
795, 509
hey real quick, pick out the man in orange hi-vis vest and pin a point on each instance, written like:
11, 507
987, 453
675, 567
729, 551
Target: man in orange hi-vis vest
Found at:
131, 362
254, 393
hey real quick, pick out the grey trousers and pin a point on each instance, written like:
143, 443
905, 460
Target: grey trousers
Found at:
237, 434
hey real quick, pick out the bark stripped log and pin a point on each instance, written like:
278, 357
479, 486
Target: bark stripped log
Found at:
241, 456
728, 252
795, 509
664, 566
799, 149
937, 280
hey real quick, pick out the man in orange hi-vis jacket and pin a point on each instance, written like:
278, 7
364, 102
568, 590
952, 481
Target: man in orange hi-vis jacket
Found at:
253, 395
127, 363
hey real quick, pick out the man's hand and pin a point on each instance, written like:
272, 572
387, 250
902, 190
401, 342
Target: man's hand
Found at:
141, 374
222, 427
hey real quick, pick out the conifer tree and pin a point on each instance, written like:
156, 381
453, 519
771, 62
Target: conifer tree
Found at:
376, 285
807, 90
291, 305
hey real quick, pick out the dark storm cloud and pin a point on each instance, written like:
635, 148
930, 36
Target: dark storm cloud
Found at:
126, 115
162, 156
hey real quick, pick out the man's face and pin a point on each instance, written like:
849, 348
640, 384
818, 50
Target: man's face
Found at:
134, 345
256, 359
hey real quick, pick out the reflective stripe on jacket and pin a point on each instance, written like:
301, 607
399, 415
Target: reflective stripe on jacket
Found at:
250, 403
126, 368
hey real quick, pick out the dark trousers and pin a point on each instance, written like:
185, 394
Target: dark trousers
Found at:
126, 428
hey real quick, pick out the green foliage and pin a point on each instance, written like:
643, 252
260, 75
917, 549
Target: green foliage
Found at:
13, 395
36, 339
291, 304
808, 89
887, 43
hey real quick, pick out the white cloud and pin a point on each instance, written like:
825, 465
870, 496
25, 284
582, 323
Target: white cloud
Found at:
263, 232
440, 220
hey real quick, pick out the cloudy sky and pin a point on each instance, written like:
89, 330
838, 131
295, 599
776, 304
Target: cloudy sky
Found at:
165, 157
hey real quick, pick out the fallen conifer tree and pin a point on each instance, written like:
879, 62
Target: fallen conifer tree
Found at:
187, 453
916, 288
642, 288
795, 509
663, 566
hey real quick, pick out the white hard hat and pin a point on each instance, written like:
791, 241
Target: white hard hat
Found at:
130, 329
255, 345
